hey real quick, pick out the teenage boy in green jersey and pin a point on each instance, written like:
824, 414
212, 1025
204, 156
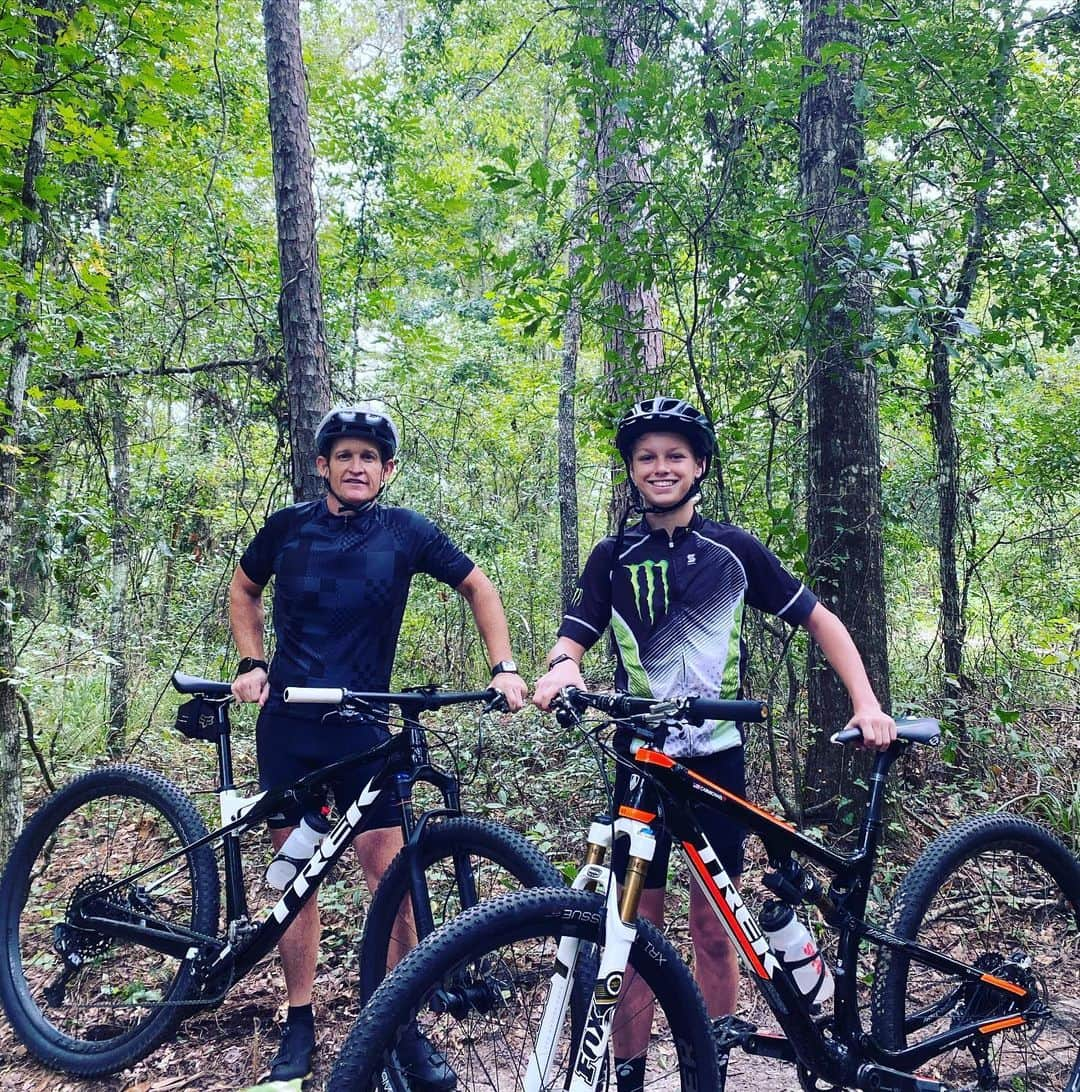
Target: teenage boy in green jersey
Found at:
673, 588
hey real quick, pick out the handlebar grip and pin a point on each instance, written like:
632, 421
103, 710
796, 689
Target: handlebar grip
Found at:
722, 709
314, 695
848, 735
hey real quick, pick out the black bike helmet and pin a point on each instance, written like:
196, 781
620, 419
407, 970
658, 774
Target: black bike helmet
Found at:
365, 420
664, 414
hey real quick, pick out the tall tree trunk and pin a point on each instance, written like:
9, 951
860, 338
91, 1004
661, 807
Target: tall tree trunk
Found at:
569, 546
32, 248
844, 473
300, 305
120, 525
633, 336
119, 570
952, 304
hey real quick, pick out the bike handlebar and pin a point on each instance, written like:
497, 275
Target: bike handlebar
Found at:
424, 697
691, 709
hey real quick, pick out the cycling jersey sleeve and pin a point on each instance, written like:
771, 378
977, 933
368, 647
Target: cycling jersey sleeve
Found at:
769, 586
437, 556
590, 613
260, 556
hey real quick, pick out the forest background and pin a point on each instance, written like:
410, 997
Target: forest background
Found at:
849, 234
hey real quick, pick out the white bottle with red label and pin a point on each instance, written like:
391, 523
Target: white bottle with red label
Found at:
797, 950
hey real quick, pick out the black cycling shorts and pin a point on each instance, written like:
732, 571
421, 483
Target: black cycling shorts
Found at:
288, 748
726, 769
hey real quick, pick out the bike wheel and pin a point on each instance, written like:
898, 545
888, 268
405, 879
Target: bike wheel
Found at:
500, 860
81, 1001
477, 989
1003, 894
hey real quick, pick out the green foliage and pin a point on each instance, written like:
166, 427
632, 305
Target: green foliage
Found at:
447, 153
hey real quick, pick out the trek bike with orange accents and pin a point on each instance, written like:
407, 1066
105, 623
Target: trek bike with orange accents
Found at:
969, 981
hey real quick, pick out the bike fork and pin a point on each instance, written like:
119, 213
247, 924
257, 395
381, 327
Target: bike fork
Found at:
589, 1048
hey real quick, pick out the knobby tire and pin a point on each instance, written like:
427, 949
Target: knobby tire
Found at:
124, 999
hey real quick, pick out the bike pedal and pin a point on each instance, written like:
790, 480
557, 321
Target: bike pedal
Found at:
882, 1079
732, 1031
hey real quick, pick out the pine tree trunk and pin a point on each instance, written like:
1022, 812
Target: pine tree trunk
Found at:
844, 473
32, 248
569, 546
633, 335
300, 305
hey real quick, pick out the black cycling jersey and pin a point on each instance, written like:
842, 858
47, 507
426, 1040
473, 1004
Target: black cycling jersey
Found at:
340, 588
675, 604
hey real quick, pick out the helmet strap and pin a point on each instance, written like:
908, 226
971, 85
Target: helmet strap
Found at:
620, 534
637, 502
348, 506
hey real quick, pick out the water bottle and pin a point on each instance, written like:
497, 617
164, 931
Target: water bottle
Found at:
297, 850
797, 950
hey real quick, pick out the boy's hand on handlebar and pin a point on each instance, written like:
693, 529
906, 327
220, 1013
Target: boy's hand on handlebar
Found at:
513, 688
567, 673
877, 727
253, 685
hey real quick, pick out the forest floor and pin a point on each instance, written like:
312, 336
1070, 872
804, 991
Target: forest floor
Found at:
229, 1049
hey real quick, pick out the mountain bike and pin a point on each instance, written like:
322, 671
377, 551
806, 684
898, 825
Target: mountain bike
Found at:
110, 903
975, 978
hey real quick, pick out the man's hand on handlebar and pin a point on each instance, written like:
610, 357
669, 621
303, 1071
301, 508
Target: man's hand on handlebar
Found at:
253, 685
513, 688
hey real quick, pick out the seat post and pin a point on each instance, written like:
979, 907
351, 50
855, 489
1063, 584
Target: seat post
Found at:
224, 745
236, 908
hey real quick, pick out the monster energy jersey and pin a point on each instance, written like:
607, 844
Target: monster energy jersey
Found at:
340, 587
675, 605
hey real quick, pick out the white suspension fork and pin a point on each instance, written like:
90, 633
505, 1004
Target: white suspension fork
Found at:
619, 938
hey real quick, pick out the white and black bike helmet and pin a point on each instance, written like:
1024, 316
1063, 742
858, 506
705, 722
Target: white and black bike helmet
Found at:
366, 420
665, 414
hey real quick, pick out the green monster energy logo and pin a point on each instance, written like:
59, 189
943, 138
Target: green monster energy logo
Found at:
645, 578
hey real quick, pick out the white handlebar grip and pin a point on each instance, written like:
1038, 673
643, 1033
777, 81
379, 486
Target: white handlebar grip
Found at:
314, 695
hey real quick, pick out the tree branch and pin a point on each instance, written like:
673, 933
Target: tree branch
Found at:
31, 741
69, 381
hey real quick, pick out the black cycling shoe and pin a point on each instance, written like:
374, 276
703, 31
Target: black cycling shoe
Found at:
293, 1058
425, 1067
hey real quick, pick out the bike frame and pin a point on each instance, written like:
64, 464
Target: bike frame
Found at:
220, 961
669, 794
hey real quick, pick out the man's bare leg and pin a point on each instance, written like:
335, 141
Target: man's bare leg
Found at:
299, 945
375, 849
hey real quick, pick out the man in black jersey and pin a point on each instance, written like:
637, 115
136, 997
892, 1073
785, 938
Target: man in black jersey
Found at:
673, 588
342, 567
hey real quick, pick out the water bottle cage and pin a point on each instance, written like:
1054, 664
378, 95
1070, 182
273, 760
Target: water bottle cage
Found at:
794, 965
297, 862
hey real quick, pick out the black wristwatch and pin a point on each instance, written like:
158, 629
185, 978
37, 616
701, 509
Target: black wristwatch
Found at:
504, 667
249, 663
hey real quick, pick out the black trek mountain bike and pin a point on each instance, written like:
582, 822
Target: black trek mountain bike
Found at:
110, 904
974, 983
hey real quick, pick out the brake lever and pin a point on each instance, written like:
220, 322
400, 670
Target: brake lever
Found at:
566, 713
497, 704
